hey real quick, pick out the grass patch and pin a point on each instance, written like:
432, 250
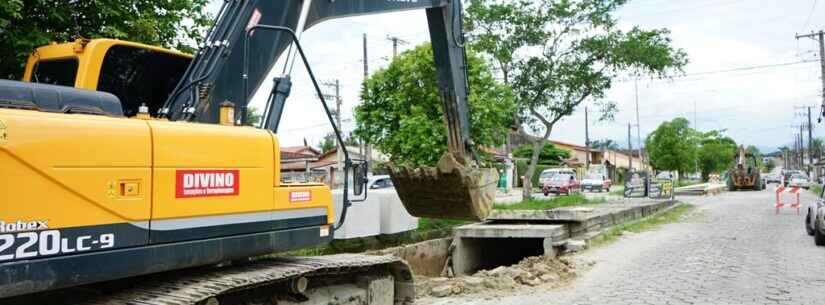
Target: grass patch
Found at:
550, 203
816, 189
427, 229
617, 190
644, 224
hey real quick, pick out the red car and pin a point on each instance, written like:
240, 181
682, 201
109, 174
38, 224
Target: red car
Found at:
561, 184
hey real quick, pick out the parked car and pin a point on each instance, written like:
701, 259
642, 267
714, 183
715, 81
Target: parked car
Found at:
815, 220
596, 182
561, 184
799, 180
379, 182
547, 174
787, 175
772, 178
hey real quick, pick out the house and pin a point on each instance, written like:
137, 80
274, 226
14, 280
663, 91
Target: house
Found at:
300, 163
608, 157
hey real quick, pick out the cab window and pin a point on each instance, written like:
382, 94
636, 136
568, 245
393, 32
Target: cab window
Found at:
138, 76
60, 72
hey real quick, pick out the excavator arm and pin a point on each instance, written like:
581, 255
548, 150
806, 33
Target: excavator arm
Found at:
250, 35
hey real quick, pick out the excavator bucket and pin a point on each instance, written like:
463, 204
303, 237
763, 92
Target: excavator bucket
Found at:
452, 190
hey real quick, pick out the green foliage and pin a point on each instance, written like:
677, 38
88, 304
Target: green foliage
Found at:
605, 144
327, 143
551, 203
549, 155
651, 222
716, 153
757, 156
556, 54
673, 146
252, 116
402, 109
816, 188
770, 165
817, 147
27, 24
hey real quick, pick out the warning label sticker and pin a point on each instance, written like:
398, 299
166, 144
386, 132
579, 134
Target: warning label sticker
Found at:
300, 196
206, 183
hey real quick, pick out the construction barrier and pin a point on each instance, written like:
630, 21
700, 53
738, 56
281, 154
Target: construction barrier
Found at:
789, 190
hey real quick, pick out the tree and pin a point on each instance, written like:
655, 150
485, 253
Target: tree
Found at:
252, 116
673, 146
816, 148
605, 144
757, 156
27, 24
770, 165
556, 54
402, 112
327, 143
550, 155
716, 153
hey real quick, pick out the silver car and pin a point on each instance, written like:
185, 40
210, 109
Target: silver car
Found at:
815, 220
799, 180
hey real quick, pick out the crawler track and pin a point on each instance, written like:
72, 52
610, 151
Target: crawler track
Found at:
262, 278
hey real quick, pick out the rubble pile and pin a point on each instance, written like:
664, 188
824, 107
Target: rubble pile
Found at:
530, 272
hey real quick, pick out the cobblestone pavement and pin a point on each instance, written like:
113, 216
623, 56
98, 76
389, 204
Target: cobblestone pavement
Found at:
731, 250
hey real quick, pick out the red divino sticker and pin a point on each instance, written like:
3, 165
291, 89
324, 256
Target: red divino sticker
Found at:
206, 183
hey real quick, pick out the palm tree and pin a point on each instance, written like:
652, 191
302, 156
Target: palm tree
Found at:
604, 144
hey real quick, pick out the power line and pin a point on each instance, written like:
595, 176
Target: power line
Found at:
748, 68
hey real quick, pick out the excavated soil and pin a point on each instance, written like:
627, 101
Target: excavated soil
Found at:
530, 272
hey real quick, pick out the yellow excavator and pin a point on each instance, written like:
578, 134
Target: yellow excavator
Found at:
129, 174
745, 174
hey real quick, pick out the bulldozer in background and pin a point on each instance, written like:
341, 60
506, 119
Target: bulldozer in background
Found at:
745, 174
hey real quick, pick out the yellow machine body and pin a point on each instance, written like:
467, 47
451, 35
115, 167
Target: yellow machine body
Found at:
83, 191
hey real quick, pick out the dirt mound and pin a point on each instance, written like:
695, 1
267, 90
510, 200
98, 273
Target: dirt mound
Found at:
530, 272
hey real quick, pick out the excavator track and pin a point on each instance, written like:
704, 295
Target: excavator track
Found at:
263, 281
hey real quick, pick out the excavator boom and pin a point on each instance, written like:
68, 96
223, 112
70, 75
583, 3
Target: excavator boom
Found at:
224, 70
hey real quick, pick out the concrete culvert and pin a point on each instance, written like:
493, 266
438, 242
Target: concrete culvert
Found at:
489, 253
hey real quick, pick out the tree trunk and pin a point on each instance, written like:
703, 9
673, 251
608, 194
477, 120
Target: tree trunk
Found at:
527, 181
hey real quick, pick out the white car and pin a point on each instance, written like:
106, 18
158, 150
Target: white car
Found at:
799, 180
379, 182
547, 174
595, 182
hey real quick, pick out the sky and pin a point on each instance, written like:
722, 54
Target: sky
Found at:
748, 74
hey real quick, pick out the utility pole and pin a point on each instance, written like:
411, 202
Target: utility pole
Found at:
801, 147
586, 140
339, 155
820, 37
638, 128
629, 148
366, 145
810, 139
395, 42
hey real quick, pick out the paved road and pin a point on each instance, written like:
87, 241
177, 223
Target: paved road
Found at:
732, 250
